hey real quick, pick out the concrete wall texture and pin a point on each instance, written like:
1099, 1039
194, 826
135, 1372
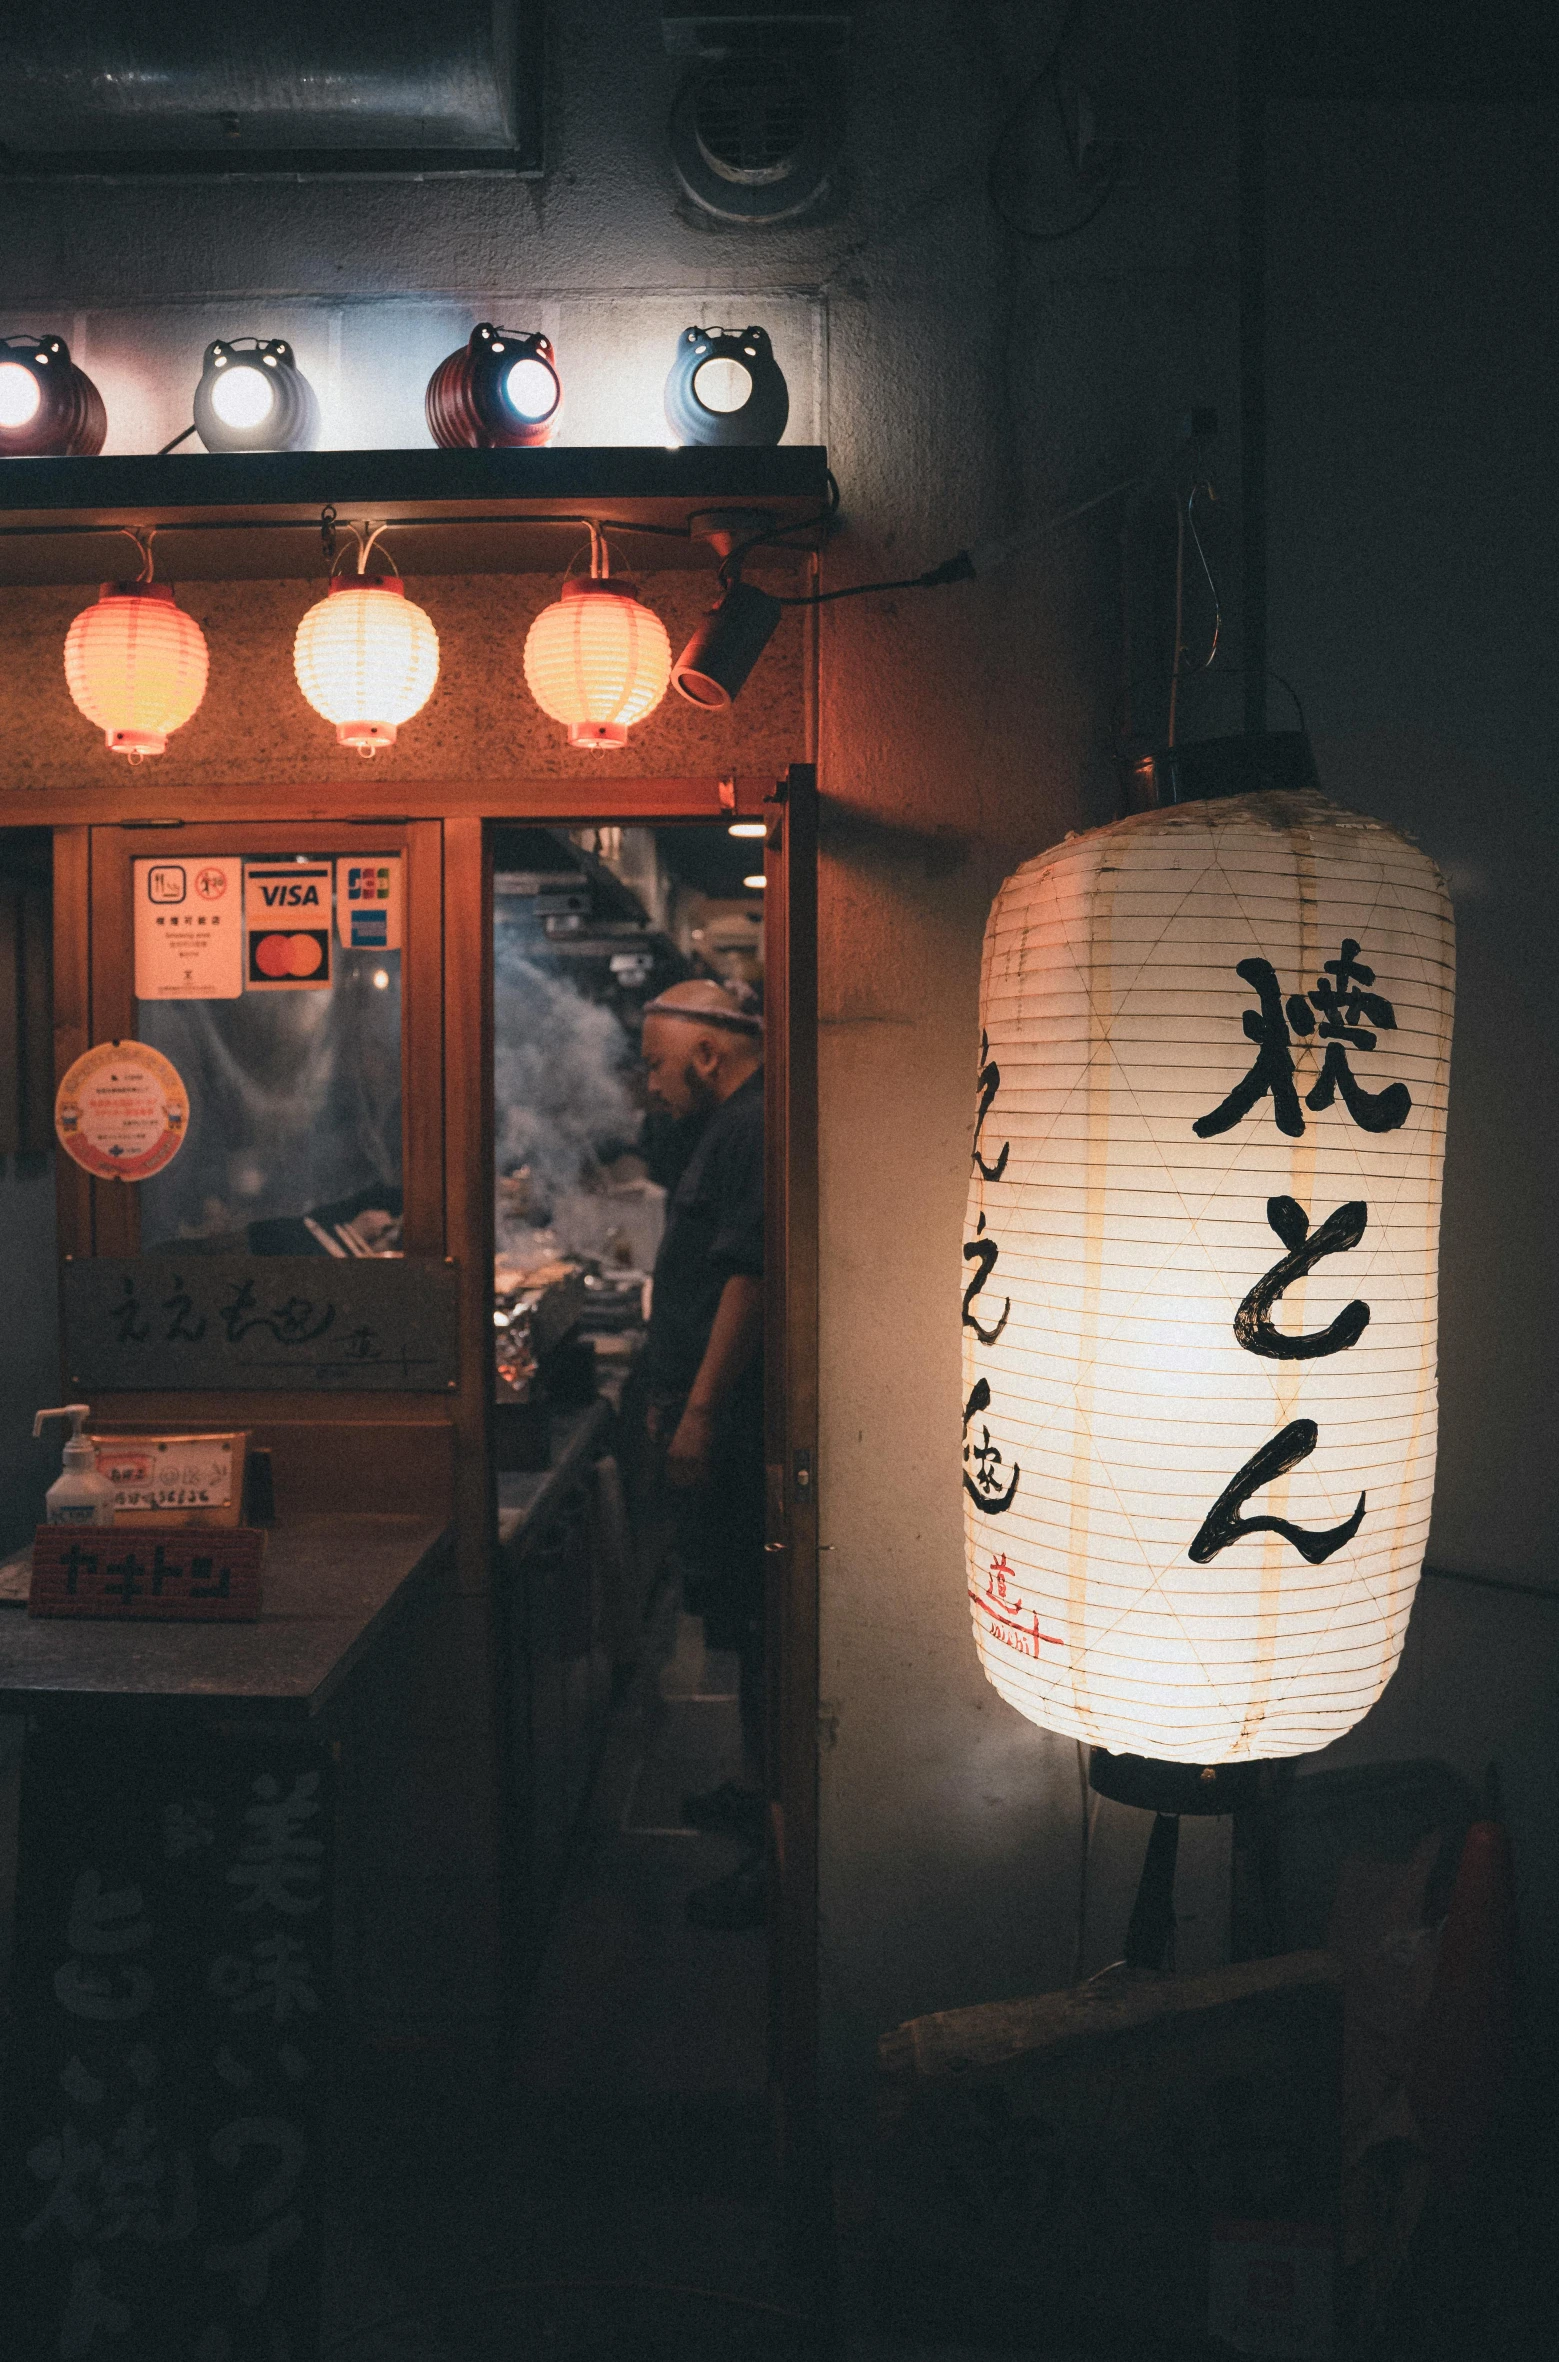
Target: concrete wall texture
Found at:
967, 381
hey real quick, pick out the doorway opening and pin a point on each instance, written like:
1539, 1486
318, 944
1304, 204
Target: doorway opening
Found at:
638, 1767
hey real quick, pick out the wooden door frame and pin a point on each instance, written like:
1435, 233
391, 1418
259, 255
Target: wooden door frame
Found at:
791, 1425
448, 1003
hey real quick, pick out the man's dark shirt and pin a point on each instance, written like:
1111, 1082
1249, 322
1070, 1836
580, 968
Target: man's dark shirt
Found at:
714, 1231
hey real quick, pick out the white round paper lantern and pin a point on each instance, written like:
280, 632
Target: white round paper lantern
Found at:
1199, 1275
366, 658
597, 660
136, 665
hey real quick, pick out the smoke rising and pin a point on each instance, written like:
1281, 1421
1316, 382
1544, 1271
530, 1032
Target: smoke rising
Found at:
560, 1067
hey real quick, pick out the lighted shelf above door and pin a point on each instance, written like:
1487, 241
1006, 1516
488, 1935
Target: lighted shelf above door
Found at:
256, 514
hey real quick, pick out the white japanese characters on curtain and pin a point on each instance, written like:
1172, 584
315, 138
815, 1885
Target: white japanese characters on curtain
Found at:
1199, 1275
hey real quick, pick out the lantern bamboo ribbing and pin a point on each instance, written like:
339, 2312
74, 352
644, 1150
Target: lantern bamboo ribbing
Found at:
1158, 1133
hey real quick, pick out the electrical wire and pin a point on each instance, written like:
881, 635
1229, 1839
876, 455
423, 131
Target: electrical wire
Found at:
396, 524
165, 448
966, 565
731, 566
1177, 661
477, 2296
1048, 76
1212, 587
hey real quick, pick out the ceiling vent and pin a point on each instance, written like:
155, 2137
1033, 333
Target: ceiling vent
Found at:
158, 87
755, 127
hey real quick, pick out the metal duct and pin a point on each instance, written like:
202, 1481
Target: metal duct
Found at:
162, 83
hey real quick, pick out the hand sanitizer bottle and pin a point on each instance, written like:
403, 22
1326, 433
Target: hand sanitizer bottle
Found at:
80, 1496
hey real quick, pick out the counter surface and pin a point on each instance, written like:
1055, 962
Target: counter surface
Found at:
332, 1586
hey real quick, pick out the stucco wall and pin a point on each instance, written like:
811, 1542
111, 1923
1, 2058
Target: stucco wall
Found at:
964, 382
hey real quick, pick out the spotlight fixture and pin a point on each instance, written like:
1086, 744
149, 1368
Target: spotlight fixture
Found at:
733, 634
135, 664
724, 388
501, 389
49, 409
596, 659
252, 396
366, 656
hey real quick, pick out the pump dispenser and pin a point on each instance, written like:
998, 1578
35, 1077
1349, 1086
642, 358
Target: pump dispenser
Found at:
80, 1496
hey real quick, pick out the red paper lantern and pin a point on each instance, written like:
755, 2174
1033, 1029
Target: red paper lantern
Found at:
136, 665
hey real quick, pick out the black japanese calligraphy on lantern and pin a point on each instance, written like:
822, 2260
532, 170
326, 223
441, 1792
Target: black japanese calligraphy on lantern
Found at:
1343, 999
983, 1466
1253, 1323
1223, 1523
989, 1083
983, 1253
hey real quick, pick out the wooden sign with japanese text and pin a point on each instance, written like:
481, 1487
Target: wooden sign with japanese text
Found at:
161, 2158
202, 1323
168, 1574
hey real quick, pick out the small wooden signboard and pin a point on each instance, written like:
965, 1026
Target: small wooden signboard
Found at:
178, 1480
168, 1573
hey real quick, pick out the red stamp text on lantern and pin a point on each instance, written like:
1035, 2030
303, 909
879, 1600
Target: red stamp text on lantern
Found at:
1009, 1622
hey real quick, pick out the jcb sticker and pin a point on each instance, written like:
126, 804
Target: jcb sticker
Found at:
368, 902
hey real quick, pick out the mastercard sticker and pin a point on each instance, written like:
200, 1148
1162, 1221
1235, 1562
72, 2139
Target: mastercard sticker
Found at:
287, 920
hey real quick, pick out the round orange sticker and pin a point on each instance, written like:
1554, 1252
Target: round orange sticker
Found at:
122, 1111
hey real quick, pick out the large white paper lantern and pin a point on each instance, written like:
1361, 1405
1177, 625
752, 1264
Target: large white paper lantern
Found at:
1199, 1275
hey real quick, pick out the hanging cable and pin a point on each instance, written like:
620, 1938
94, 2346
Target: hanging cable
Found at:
969, 564
1207, 572
1177, 659
731, 566
1047, 78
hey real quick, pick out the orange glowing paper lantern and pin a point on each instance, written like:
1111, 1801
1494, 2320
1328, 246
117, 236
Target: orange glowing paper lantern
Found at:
1199, 1276
366, 658
136, 665
597, 660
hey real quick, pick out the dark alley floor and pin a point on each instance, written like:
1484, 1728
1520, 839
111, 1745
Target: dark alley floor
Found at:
607, 2190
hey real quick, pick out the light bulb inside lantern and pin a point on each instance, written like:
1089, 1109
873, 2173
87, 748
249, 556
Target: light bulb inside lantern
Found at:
242, 397
19, 394
747, 828
756, 881
530, 389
